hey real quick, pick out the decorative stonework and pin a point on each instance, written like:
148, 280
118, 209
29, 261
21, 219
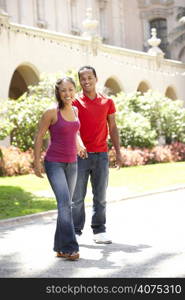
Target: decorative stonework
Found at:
182, 20
148, 3
42, 24
155, 51
90, 25
102, 3
149, 14
4, 17
90, 31
156, 13
75, 31
79, 50
154, 42
162, 2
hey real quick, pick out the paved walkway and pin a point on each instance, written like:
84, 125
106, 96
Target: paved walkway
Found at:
118, 193
147, 233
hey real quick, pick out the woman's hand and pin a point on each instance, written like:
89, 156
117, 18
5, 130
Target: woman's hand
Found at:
81, 150
38, 170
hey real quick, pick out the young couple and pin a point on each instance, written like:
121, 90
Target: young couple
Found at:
78, 126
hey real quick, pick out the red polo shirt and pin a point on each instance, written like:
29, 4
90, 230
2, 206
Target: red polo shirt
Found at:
93, 119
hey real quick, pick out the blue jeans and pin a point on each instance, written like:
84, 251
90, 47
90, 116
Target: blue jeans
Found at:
97, 167
62, 178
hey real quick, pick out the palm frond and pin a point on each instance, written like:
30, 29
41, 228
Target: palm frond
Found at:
176, 32
181, 12
180, 39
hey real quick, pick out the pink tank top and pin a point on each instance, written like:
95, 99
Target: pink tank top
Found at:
62, 147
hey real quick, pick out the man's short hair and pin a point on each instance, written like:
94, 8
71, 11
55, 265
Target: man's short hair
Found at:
88, 68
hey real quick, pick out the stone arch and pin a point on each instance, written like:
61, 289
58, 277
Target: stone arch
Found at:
112, 86
23, 76
171, 93
143, 87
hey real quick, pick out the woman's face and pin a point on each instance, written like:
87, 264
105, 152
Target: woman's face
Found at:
67, 92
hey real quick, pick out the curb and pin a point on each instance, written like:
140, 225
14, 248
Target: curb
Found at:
21, 219
50, 213
153, 192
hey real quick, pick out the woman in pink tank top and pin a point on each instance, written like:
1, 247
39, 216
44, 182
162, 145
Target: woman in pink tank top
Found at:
61, 162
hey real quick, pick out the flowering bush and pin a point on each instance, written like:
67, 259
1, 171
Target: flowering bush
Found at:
160, 154
131, 157
15, 162
178, 151
142, 156
144, 118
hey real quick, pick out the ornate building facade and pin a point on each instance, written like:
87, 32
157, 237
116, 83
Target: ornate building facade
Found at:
122, 23
134, 45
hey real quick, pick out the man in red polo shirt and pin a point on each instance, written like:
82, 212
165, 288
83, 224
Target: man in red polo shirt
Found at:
97, 117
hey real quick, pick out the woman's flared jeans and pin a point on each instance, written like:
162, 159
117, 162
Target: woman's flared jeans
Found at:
62, 178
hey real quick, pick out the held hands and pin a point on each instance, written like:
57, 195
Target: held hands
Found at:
82, 152
38, 170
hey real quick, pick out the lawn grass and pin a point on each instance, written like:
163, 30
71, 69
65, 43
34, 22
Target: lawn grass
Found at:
18, 198
18, 194
29, 183
15, 201
149, 177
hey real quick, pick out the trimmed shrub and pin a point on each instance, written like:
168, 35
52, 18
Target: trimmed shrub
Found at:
142, 156
160, 154
15, 162
178, 151
144, 118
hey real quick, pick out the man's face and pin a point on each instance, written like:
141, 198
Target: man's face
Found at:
87, 80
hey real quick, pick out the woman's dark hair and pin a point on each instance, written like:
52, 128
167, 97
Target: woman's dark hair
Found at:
57, 93
88, 68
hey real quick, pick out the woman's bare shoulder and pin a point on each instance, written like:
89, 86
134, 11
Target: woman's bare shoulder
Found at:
50, 113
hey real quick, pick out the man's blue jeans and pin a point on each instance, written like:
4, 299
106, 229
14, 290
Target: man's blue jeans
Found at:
62, 178
97, 167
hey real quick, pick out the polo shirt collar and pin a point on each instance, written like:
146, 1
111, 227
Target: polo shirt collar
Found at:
86, 98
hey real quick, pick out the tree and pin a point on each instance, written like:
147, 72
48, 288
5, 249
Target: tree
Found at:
177, 35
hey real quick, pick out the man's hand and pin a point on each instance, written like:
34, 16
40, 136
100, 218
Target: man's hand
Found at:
119, 160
